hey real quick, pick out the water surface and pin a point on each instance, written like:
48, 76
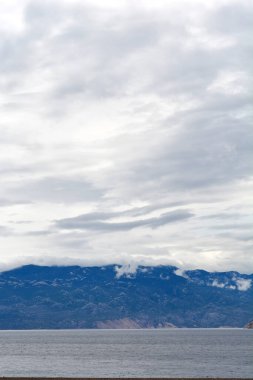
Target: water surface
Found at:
127, 353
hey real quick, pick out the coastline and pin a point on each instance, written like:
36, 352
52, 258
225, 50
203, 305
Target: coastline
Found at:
126, 378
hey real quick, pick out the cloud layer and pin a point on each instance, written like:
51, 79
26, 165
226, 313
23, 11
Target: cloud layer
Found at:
126, 133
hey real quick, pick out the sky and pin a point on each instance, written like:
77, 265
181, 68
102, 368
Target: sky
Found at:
126, 133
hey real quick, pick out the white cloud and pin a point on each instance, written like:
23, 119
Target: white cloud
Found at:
243, 284
127, 270
229, 82
108, 107
181, 273
218, 284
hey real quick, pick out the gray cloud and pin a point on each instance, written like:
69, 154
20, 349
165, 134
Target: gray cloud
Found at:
5, 231
66, 190
95, 221
8, 202
141, 107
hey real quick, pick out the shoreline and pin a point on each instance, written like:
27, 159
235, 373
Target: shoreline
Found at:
120, 378
133, 329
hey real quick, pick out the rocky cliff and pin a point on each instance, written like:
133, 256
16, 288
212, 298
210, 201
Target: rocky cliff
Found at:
249, 325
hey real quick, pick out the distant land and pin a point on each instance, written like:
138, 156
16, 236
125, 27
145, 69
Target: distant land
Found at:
65, 297
249, 325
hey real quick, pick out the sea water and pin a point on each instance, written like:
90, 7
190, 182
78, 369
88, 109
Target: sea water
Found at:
127, 353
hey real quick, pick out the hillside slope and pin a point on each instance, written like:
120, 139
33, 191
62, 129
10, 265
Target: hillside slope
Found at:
110, 297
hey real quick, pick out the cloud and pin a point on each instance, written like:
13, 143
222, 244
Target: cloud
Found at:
126, 270
243, 284
8, 202
218, 284
93, 221
181, 273
126, 132
61, 189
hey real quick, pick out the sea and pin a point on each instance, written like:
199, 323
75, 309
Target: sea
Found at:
127, 353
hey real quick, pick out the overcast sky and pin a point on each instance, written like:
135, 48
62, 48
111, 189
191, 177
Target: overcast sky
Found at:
126, 133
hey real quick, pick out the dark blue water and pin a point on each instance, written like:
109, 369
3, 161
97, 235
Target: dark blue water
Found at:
127, 353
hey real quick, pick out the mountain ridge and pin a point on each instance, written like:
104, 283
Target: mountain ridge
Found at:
115, 296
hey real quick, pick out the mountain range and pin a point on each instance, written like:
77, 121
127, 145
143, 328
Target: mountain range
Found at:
114, 296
